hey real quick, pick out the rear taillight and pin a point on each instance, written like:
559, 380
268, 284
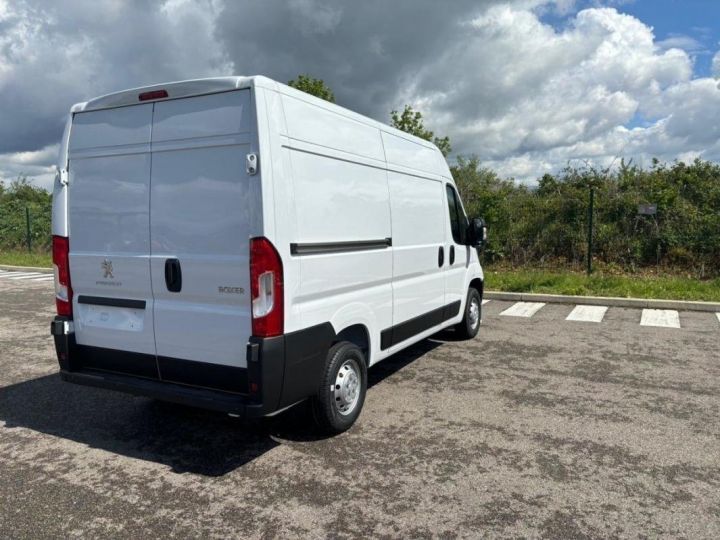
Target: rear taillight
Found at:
266, 288
61, 266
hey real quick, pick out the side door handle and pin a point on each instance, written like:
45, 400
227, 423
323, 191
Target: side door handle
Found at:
452, 255
441, 256
173, 275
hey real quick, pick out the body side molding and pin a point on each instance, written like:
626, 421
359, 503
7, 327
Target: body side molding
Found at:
338, 247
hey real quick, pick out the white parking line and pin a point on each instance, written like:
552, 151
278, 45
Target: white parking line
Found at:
587, 314
718, 316
27, 276
523, 309
486, 301
16, 274
42, 277
666, 318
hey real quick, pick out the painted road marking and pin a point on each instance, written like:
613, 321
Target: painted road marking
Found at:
28, 276
587, 314
523, 309
16, 274
718, 316
44, 277
486, 301
666, 318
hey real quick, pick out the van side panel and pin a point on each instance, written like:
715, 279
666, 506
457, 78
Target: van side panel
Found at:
315, 124
343, 236
339, 204
108, 216
410, 154
418, 222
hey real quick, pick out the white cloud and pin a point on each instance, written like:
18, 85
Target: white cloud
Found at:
679, 41
38, 165
545, 97
716, 65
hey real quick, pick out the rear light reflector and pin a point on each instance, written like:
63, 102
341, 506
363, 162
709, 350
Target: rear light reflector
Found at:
61, 269
153, 94
266, 289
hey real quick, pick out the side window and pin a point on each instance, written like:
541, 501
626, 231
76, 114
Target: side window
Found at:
458, 222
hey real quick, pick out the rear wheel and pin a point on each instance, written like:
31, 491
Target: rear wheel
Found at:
342, 389
470, 325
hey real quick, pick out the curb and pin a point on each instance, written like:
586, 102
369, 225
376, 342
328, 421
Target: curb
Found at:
27, 268
679, 305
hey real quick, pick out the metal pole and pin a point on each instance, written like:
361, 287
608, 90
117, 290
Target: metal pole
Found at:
27, 229
590, 231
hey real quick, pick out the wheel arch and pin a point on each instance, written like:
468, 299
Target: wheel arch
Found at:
359, 335
477, 284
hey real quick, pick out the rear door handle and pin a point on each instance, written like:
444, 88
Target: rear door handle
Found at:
441, 256
173, 275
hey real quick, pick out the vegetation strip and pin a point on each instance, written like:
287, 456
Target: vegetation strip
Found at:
625, 285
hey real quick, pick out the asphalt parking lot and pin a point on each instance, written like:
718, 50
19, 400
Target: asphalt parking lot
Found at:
541, 426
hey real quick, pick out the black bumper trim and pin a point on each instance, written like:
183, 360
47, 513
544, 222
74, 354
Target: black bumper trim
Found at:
112, 302
203, 374
175, 393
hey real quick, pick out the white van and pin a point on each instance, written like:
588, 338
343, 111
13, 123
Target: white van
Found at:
239, 245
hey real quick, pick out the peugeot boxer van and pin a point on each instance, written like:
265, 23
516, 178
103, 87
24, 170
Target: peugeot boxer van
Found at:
239, 245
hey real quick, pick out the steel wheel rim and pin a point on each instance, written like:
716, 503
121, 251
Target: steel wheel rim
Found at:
346, 390
474, 313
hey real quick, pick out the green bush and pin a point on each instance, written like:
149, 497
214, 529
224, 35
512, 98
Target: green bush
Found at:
550, 223
14, 199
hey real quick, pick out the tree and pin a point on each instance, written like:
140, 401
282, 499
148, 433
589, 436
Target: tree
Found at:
314, 87
411, 121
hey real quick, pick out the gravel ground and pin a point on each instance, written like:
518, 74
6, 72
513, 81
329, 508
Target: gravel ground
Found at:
540, 427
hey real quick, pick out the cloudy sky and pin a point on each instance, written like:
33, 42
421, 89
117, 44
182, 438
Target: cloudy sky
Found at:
527, 85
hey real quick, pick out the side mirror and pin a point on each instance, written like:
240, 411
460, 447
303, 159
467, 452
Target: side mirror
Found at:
477, 232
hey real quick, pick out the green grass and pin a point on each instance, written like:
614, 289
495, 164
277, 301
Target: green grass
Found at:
23, 258
599, 284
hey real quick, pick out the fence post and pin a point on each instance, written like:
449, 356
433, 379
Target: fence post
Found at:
27, 229
590, 230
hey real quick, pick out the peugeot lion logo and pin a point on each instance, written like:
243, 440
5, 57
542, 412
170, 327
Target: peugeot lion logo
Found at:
107, 269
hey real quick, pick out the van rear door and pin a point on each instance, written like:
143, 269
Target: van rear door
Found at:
109, 230
204, 208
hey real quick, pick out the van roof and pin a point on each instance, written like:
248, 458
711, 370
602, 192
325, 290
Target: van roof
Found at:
212, 85
177, 89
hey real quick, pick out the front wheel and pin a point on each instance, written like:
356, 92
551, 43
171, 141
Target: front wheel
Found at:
342, 389
469, 326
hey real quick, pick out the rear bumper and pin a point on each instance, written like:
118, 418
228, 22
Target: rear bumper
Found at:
175, 393
280, 371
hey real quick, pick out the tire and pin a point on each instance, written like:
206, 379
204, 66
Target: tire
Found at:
470, 325
343, 385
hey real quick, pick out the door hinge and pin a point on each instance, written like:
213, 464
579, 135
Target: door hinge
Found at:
251, 164
62, 177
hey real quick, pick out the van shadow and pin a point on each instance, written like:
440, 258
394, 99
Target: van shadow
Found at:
185, 439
